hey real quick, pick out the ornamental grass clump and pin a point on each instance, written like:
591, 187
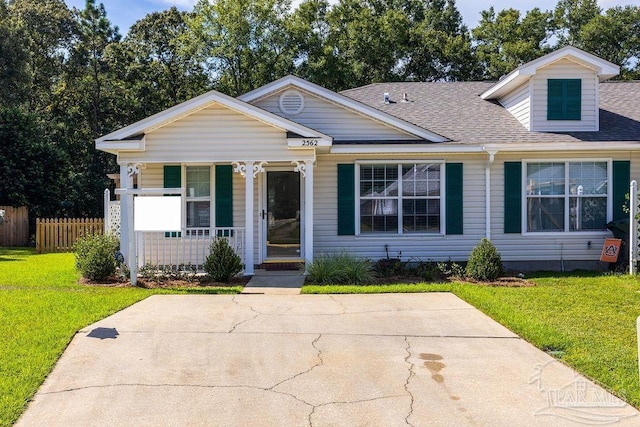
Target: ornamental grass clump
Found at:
485, 263
340, 268
95, 256
223, 262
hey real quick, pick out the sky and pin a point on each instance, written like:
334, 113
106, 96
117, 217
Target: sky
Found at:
124, 13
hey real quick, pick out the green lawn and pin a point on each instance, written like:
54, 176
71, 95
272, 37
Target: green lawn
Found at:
586, 320
41, 308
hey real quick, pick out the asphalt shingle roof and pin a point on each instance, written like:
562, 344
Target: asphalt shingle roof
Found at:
456, 111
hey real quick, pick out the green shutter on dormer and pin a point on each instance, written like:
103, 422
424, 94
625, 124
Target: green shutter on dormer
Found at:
172, 177
346, 200
564, 99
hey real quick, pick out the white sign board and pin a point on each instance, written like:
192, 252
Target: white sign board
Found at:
157, 213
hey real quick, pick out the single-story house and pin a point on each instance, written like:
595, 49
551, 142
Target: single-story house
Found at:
538, 162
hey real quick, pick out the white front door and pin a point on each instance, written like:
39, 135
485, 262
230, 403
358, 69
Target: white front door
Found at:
281, 215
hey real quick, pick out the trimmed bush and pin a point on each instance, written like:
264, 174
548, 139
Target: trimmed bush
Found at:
485, 262
340, 268
95, 256
223, 262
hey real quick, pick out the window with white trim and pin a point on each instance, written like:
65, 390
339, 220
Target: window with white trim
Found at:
198, 196
566, 196
400, 198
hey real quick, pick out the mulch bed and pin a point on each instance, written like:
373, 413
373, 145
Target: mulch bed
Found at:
200, 281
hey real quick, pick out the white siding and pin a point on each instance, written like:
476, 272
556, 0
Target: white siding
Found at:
518, 103
424, 247
216, 134
545, 246
565, 69
334, 120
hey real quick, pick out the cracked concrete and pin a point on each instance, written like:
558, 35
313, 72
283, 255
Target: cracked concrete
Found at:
307, 360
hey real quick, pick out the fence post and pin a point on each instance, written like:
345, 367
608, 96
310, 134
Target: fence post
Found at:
633, 228
107, 199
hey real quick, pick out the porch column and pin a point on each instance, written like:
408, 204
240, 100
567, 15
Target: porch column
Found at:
248, 219
308, 212
126, 181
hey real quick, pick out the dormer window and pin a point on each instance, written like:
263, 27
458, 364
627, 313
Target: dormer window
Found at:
564, 99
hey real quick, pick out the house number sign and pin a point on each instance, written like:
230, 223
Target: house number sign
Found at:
309, 143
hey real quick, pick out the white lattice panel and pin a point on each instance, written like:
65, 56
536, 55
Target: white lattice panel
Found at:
114, 218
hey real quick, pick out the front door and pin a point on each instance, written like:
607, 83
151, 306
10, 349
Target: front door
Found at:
282, 214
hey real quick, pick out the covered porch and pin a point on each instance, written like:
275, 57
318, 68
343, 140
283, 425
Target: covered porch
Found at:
263, 208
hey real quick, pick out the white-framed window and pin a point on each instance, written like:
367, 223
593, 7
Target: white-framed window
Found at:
400, 197
198, 200
567, 196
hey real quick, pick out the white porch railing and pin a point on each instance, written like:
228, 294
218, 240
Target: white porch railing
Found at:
186, 248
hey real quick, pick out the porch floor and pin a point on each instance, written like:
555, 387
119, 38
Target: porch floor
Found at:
278, 282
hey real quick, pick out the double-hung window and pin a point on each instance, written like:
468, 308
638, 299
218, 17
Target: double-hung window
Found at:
198, 197
567, 196
400, 198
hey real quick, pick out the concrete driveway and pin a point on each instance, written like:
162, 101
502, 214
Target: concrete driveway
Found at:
301, 360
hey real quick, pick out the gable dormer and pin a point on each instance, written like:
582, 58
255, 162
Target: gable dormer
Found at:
557, 92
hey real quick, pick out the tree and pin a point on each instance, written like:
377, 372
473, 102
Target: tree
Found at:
14, 79
615, 36
570, 16
243, 42
45, 29
30, 174
439, 45
156, 68
505, 41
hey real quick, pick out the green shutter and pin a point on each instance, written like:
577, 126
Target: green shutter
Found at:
172, 179
564, 99
621, 180
224, 196
453, 194
512, 197
346, 200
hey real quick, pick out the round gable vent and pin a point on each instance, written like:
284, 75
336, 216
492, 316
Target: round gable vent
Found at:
291, 102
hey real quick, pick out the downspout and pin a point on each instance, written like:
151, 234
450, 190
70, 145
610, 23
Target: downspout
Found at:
487, 191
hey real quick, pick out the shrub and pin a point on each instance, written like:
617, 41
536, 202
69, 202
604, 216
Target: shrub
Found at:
485, 262
95, 256
223, 262
340, 268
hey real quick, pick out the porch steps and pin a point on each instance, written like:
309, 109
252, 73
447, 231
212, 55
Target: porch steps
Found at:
279, 282
280, 265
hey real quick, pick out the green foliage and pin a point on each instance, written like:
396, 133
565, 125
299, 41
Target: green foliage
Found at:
341, 268
95, 256
450, 269
485, 262
223, 262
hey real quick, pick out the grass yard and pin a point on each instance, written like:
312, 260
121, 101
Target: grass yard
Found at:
41, 308
586, 320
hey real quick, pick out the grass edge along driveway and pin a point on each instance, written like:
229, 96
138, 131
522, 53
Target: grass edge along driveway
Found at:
41, 309
586, 320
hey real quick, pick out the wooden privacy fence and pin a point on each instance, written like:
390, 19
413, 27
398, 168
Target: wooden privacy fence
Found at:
15, 229
60, 234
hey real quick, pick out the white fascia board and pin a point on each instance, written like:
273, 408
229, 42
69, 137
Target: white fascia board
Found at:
188, 107
605, 69
342, 101
126, 145
510, 81
403, 149
578, 146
